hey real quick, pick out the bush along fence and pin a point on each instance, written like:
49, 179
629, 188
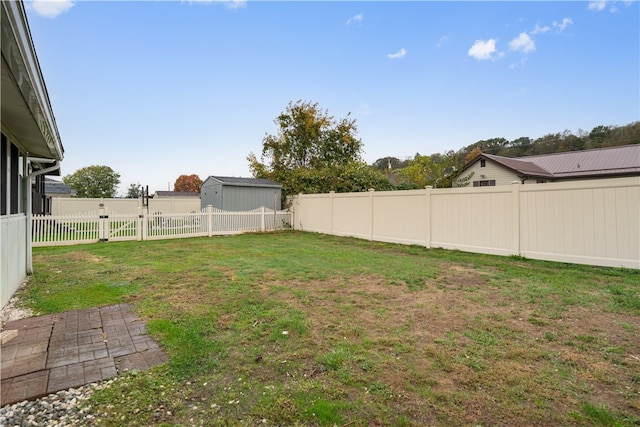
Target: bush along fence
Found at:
104, 226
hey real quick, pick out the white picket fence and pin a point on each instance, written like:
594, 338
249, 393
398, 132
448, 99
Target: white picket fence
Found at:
103, 226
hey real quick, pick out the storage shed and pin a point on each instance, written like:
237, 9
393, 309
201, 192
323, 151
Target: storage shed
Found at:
240, 194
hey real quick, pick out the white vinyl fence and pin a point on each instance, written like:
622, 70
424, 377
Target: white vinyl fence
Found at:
102, 226
594, 222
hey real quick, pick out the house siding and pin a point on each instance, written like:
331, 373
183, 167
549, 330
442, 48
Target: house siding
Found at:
13, 222
491, 170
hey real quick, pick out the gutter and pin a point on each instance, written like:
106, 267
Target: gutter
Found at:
29, 205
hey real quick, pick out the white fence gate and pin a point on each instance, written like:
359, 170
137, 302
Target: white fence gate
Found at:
102, 226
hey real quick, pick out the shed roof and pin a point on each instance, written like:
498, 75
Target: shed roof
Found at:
177, 194
600, 162
58, 188
245, 182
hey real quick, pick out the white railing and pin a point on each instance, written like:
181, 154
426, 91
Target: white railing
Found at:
48, 230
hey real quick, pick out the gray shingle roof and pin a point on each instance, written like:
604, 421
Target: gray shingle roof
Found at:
51, 186
253, 182
177, 194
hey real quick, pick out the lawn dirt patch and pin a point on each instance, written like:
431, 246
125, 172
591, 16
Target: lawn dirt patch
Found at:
461, 340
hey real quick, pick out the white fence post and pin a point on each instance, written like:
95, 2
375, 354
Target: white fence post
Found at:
331, 193
262, 218
103, 224
145, 223
427, 215
515, 213
139, 223
371, 218
210, 220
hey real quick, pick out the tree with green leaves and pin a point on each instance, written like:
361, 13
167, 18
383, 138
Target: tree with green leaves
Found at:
387, 165
313, 152
94, 181
134, 191
598, 135
437, 170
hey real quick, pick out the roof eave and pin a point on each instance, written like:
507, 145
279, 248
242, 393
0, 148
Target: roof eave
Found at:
27, 116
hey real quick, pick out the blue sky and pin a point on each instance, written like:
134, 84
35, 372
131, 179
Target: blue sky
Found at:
157, 89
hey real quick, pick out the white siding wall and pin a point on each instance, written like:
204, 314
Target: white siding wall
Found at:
13, 253
502, 175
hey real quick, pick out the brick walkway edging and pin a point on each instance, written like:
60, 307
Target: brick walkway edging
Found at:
60, 351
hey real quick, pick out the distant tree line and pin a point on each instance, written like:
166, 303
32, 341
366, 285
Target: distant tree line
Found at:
313, 152
441, 169
599, 137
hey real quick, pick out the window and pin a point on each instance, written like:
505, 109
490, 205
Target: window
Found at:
483, 163
485, 183
12, 179
14, 191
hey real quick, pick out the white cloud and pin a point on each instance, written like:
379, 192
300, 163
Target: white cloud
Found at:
540, 29
563, 25
597, 5
51, 8
523, 43
356, 18
484, 49
230, 4
235, 4
523, 61
601, 5
398, 55
442, 41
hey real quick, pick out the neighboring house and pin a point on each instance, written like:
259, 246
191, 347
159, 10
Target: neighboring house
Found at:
176, 194
43, 189
55, 188
31, 146
489, 170
240, 194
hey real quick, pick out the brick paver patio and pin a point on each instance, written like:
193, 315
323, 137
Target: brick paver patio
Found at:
60, 351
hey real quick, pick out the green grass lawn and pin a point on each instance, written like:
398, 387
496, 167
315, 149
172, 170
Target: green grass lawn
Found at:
304, 329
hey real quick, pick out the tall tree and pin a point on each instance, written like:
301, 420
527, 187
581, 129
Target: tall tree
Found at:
598, 135
437, 170
94, 181
134, 191
187, 183
389, 164
314, 152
